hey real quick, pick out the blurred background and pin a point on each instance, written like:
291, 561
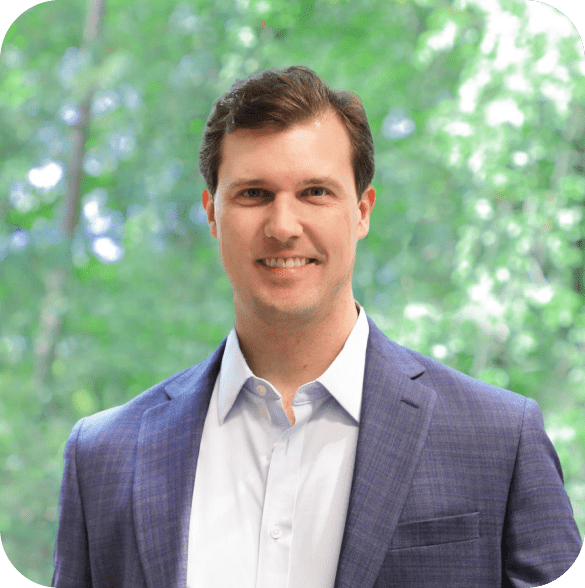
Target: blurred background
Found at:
110, 281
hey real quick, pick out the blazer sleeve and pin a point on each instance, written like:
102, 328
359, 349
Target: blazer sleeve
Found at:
540, 537
71, 556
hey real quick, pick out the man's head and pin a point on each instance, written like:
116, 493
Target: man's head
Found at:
286, 209
278, 99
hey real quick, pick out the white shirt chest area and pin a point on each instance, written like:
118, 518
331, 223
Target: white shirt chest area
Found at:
270, 499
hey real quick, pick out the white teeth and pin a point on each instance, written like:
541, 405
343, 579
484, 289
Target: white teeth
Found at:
288, 263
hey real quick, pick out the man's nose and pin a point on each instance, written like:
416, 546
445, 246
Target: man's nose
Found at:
283, 218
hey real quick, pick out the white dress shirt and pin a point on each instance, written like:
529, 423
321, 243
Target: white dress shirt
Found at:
270, 499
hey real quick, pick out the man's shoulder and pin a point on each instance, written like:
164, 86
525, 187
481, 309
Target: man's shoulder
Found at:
119, 421
453, 388
472, 409
452, 383
134, 407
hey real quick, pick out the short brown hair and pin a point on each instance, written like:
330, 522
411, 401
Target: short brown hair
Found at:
279, 99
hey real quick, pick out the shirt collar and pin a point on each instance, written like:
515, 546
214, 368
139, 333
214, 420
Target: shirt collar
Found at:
343, 379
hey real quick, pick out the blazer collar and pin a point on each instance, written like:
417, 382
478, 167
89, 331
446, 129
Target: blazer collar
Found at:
394, 421
395, 418
164, 476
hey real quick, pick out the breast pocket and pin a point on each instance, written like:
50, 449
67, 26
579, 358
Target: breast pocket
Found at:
451, 529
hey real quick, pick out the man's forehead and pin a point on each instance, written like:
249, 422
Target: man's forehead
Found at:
325, 121
317, 119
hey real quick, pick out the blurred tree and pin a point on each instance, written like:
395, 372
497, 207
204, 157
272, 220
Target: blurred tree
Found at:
50, 320
475, 254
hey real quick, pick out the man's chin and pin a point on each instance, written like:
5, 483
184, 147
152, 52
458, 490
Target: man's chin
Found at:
285, 312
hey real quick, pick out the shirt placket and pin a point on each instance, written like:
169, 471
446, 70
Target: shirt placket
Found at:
276, 529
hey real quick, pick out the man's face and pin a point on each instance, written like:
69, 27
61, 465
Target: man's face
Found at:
282, 195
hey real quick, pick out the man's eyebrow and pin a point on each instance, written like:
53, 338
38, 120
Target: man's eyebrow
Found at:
323, 181
244, 182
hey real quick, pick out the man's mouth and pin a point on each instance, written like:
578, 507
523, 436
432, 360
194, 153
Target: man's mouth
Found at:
289, 262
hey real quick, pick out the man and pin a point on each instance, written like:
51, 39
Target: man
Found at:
308, 450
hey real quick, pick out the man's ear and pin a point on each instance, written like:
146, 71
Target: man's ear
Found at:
209, 206
366, 204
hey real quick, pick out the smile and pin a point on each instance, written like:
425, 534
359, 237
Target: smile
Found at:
290, 262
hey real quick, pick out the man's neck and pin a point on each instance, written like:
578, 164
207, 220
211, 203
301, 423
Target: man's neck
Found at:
289, 356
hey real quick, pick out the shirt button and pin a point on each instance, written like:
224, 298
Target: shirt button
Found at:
261, 389
276, 532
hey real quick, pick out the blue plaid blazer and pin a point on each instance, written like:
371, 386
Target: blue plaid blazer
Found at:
455, 484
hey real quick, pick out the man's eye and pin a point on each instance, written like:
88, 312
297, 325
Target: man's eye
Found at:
254, 193
317, 191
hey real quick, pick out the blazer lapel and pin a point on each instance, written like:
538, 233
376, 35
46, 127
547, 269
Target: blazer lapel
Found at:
394, 422
164, 476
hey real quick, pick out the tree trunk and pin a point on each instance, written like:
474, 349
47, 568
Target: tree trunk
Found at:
53, 306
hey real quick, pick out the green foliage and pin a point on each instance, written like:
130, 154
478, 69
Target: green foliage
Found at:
475, 253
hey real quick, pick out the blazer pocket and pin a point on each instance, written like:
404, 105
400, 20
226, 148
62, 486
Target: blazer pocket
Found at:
436, 531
